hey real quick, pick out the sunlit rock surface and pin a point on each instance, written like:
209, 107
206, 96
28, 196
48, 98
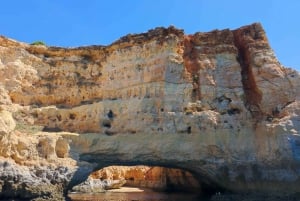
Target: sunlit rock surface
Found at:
156, 178
217, 104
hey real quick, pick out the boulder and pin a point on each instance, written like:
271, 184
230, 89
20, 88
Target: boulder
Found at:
97, 185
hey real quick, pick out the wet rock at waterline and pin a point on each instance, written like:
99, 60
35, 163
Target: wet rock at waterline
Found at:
97, 185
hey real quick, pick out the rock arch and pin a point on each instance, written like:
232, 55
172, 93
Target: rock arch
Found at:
101, 151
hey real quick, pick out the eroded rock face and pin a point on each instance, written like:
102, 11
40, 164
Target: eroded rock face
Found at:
218, 104
156, 178
32, 182
7, 123
97, 185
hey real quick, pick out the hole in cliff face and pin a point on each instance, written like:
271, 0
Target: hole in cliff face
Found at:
51, 129
233, 111
149, 177
72, 116
110, 114
189, 129
106, 123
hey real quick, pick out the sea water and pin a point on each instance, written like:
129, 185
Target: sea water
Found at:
137, 196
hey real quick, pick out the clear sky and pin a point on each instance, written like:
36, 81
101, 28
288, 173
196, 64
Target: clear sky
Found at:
72, 23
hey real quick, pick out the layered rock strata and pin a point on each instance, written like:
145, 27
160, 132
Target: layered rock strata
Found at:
218, 104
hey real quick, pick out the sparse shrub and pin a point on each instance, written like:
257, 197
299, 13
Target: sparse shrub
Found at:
38, 43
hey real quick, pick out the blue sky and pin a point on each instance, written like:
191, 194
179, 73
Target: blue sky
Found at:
72, 23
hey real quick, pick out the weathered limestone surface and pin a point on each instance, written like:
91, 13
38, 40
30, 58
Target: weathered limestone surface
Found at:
157, 178
218, 104
7, 123
31, 166
98, 186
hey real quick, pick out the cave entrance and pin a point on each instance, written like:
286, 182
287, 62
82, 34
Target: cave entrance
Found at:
150, 177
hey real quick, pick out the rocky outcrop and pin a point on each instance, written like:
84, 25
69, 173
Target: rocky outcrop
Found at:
33, 182
218, 104
97, 185
33, 166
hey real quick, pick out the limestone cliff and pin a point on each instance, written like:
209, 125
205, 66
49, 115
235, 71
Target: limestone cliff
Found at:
218, 104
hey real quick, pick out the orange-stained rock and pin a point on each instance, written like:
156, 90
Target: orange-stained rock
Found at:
157, 178
162, 71
217, 104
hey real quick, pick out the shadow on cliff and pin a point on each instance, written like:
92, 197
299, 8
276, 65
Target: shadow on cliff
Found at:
207, 186
79, 176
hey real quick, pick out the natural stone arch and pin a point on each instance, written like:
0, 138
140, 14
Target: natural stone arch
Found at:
200, 185
110, 153
218, 163
156, 178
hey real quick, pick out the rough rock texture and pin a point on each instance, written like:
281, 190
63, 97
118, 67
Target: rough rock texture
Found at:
32, 167
97, 185
217, 104
157, 178
7, 123
33, 182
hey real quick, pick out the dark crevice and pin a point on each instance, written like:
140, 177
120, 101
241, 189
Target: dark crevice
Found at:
189, 129
110, 114
253, 96
287, 104
109, 132
72, 116
233, 111
51, 129
106, 124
